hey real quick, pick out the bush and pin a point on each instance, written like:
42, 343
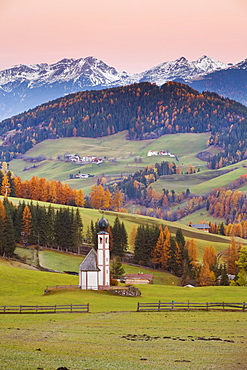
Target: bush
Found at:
114, 282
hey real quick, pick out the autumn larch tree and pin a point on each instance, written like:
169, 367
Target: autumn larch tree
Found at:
158, 250
27, 226
206, 277
231, 257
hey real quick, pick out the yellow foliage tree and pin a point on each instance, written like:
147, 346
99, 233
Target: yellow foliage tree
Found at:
5, 189
79, 198
26, 224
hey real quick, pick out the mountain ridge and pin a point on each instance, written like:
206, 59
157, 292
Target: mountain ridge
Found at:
146, 110
23, 87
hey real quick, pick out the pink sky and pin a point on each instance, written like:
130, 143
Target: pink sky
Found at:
131, 35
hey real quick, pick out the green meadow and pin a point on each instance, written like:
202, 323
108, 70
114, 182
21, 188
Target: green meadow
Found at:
113, 335
123, 157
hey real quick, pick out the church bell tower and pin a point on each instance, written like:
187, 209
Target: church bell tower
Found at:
103, 255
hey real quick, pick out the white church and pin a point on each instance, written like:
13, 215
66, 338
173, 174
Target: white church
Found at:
94, 271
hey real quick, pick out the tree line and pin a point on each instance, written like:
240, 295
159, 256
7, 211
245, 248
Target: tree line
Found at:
156, 247
28, 224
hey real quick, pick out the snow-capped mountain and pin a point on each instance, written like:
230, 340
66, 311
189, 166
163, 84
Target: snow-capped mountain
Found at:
25, 86
182, 69
241, 65
79, 72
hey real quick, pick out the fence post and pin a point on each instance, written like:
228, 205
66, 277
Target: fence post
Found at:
55, 308
188, 305
71, 308
207, 306
87, 307
159, 306
243, 306
20, 308
172, 305
36, 308
223, 305
138, 306
4, 309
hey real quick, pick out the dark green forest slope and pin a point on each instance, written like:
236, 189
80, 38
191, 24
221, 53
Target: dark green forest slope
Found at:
145, 110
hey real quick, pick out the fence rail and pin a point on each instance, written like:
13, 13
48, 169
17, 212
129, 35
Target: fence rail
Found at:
170, 306
23, 309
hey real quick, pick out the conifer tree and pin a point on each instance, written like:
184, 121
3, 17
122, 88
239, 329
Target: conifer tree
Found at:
77, 228
181, 243
17, 221
145, 241
9, 229
224, 276
2, 229
120, 240
175, 261
117, 270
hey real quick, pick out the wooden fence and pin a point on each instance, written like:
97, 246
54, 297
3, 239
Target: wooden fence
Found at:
188, 306
75, 308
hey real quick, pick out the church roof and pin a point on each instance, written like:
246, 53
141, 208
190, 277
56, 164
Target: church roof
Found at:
200, 226
103, 223
90, 262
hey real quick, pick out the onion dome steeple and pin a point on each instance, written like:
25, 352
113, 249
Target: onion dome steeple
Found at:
103, 223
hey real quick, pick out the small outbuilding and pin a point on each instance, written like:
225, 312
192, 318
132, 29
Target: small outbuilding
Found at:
139, 278
203, 227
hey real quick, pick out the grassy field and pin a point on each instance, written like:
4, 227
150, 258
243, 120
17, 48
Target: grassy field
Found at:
26, 286
112, 147
200, 215
113, 335
124, 341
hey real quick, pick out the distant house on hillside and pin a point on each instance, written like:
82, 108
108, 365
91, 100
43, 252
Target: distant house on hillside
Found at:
139, 278
82, 175
203, 227
161, 152
91, 159
72, 158
152, 152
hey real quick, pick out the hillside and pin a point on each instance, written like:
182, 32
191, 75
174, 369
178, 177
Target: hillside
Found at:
145, 110
201, 238
23, 87
228, 83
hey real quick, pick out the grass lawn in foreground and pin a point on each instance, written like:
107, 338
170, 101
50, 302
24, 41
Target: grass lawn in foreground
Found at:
113, 335
124, 341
